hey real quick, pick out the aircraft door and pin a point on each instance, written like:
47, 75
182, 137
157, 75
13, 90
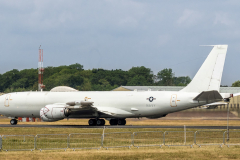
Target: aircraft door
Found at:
7, 100
173, 101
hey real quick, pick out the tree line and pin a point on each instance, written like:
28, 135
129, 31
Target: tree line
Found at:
88, 80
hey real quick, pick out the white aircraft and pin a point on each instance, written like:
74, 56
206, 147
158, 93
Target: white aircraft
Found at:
116, 106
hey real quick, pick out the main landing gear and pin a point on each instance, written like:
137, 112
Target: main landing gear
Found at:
13, 121
101, 122
117, 122
98, 122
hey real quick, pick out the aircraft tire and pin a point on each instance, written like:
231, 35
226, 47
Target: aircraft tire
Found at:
99, 122
121, 121
13, 121
113, 122
92, 122
124, 121
103, 122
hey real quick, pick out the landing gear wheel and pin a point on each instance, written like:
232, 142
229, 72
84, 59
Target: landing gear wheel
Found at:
99, 122
113, 122
121, 121
13, 121
92, 122
103, 121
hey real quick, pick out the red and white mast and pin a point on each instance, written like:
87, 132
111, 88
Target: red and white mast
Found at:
40, 70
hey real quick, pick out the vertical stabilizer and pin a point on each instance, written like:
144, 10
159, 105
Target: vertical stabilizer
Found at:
209, 75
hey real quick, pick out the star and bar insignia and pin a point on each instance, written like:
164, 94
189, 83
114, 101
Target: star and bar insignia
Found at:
151, 99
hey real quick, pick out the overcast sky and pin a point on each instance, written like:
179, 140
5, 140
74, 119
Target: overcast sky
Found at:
119, 34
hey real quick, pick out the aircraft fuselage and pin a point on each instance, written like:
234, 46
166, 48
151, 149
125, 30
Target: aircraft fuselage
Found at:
138, 103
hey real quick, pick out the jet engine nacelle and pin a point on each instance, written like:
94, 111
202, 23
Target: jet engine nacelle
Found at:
51, 113
45, 119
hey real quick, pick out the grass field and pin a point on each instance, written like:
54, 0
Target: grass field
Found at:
205, 152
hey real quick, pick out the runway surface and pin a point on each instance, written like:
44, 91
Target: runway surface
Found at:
108, 126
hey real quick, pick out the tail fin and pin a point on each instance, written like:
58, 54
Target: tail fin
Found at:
209, 75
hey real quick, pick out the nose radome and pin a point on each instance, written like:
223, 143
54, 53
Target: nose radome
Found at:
1, 102
2, 98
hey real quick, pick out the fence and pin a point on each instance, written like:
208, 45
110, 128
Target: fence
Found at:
209, 138
17, 142
178, 138
234, 138
85, 141
51, 141
148, 138
118, 139
0, 142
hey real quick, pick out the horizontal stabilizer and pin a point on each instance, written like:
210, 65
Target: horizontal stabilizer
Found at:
113, 111
213, 105
209, 96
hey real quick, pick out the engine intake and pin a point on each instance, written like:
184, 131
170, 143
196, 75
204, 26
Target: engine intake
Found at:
54, 112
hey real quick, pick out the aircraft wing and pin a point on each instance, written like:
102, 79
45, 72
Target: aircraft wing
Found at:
113, 111
80, 105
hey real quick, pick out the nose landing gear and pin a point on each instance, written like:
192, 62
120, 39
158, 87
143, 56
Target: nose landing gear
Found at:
13, 121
